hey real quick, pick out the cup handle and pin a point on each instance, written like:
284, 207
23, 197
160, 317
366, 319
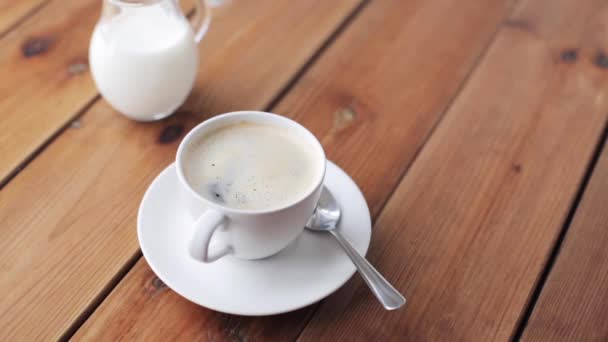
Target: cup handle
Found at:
204, 227
201, 19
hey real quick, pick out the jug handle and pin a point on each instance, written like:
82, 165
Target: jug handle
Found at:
201, 19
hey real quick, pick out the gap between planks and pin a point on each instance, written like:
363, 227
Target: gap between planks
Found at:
315, 56
542, 279
24, 18
47, 142
101, 296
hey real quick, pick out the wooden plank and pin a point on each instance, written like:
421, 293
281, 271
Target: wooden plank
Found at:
68, 218
371, 117
573, 304
469, 229
12, 12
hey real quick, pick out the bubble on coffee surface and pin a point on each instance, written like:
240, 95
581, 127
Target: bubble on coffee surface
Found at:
252, 166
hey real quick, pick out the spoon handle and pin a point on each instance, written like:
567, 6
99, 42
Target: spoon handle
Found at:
390, 298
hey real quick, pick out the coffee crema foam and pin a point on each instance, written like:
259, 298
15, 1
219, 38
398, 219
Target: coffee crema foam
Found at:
254, 166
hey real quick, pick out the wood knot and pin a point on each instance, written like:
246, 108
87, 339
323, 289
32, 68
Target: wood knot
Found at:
78, 67
36, 46
516, 168
601, 60
158, 284
343, 118
76, 124
170, 134
183, 113
569, 55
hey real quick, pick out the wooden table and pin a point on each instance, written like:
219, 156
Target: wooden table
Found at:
476, 130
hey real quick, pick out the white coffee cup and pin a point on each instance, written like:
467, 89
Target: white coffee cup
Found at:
246, 234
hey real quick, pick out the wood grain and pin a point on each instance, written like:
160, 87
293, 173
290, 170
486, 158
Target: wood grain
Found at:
371, 117
45, 79
68, 219
12, 12
469, 229
573, 303
182, 321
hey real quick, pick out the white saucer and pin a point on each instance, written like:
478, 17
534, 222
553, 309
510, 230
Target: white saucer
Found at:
308, 270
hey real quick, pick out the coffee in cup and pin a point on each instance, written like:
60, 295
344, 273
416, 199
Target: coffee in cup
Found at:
253, 166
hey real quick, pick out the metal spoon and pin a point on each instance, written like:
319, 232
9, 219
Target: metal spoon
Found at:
326, 218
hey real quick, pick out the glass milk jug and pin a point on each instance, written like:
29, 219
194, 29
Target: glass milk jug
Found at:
144, 57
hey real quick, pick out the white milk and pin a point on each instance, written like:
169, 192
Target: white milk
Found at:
144, 61
252, 166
